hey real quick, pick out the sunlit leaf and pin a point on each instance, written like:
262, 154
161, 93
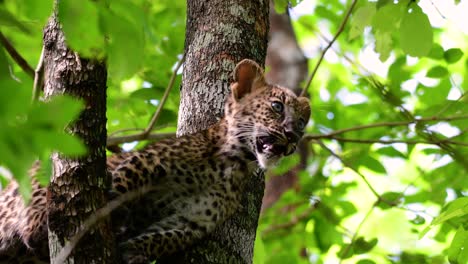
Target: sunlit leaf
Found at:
453, 55
416, 33
148, 93
281, 6
126, 42
259, 251
383, 44
365, 261
371, 163
391, 152
437, 52
458, 250
361, 18
387, 18
389, 200
418, 220
83, 35
437, 72
346, 251
362, 246
36, 10
8, 19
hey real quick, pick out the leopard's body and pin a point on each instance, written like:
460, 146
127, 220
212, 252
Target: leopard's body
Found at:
197, 180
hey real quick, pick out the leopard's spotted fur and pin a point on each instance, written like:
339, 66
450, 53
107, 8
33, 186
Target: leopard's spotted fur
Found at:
198, 179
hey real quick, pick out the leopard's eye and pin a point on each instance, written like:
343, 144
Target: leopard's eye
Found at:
301, 124
277, 106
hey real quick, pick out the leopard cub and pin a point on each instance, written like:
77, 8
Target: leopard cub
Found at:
197, 180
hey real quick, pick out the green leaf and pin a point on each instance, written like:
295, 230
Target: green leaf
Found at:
346, 251
391, 152
167, 117
437, 72
36, 10
80, 24
71, 145
418, 220
416, 34
148, 93
387, 18
361, 19
453, 55
456, 208
8, 19
365, 261
458, 250
45, 170
437, 52
56, 113
259, 250
324, 11
390, 200
362, 246
4, 72
371, 163
381, 3
383, 44
281, 6
126, 41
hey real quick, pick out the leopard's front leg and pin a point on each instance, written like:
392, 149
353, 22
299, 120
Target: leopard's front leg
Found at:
194, 218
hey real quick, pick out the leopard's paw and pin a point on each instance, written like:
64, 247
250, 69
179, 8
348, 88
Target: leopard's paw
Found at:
131, 255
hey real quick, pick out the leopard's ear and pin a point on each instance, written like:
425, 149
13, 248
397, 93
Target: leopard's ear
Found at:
247, 77
304, 106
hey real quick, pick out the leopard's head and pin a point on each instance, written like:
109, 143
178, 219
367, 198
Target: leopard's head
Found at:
267, 119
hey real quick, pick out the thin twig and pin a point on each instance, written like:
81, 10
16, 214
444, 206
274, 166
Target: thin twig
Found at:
164, 98
16, 56
450, 104
294, 220
353, 239
96, 217
146, 133
338, 33
125, 130
385, 124
38, 77
393, 141
345, 163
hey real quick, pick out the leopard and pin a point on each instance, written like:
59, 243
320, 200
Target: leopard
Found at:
196, 180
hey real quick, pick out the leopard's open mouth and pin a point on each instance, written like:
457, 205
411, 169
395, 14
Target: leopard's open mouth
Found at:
269, 145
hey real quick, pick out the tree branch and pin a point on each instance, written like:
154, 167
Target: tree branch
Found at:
16, 56
353, 239
96, 217
338, 33
146, 133
386, 124
345, 163
392, 141
294, 220
38, 77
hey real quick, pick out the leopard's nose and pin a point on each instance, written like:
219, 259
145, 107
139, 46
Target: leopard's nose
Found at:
291, 136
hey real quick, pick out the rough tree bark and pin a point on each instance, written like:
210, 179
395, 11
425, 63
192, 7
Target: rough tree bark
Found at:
219, 34
78, 185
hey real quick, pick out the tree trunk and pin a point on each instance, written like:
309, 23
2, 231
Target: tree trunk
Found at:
219, 34
78, 185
